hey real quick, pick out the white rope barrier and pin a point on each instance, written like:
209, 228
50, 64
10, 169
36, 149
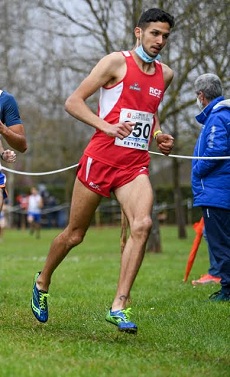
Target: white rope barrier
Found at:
44, 211
192, 157
42, 173
75, 165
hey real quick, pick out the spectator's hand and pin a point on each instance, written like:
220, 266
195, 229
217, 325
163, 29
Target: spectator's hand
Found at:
8, 156
165, 143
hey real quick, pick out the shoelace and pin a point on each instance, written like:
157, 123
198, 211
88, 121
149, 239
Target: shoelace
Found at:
43, 300
127, 313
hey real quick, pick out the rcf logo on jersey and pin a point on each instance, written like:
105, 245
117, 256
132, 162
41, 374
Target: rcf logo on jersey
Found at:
155, 92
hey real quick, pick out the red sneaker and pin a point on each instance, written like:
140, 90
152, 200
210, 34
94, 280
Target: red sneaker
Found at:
205, 279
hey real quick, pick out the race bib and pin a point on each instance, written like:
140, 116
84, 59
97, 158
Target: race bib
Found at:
140, 136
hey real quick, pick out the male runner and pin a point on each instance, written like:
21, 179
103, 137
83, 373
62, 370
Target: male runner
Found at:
132, 85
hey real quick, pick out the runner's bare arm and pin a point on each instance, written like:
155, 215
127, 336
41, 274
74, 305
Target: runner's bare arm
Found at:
107, 72
168, 75
164, 141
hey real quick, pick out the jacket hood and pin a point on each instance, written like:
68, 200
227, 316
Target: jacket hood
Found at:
221, 104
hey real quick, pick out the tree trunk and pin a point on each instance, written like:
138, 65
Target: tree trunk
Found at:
154, 240
180, 216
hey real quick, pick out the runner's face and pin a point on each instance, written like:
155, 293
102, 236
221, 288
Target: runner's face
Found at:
154, 37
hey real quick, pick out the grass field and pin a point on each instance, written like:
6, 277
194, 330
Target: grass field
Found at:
180, 333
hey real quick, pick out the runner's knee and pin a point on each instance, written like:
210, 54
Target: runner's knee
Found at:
75, 238
141, 227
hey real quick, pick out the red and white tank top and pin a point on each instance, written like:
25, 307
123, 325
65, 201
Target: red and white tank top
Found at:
135, 98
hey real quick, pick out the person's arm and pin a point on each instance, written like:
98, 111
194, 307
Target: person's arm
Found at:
41, 203
216, 145
14, 136
11, 127
106, 72
168, 77
167, 74
164, 141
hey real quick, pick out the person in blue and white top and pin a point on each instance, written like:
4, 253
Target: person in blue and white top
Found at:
12, 131
35, 204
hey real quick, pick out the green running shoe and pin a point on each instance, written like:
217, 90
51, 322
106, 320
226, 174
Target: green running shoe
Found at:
120, 318
220, 296
39, 302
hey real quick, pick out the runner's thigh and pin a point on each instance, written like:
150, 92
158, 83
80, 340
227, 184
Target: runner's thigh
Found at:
136, 197
83, 205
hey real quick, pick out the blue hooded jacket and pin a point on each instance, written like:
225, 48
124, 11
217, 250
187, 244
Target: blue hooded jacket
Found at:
211, 177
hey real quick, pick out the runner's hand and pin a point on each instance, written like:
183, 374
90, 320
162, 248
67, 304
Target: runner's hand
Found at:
165, 143
120, 130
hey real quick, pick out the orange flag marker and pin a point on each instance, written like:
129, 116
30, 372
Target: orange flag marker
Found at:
198, 227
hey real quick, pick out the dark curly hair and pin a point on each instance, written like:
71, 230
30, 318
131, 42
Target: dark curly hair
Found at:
155, 15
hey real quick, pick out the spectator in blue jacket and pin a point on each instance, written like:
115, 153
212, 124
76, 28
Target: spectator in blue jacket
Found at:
211, 176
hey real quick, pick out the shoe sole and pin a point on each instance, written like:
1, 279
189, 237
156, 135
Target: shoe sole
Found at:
206, 282
128, 331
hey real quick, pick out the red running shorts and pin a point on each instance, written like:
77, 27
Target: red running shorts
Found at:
104, 179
